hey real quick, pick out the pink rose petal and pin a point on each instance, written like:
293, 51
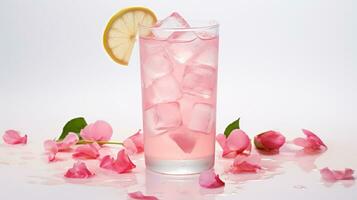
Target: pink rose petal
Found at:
70, 140
14, 137
269, 141
314, 138
87, 151
246, 163
98, 131
221, 139
107, 162
51, 148
209, 179
135, 143
335, 175
311, 143
122, 164
140, 196
301, 142
79, 170
185, 141
237, 142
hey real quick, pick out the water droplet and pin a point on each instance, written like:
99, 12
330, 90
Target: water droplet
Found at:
300, 187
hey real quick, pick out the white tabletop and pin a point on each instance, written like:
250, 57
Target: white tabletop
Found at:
25, 173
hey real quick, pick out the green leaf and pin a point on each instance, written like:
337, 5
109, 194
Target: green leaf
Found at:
231, 127
74, 125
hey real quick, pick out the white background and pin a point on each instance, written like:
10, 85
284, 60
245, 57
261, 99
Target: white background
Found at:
283, 65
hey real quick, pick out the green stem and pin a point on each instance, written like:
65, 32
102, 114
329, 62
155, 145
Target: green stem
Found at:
99, 142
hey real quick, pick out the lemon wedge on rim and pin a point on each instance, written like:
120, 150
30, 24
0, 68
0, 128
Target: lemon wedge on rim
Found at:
120, 33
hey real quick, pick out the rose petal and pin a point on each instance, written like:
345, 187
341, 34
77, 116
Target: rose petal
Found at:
244, 163
14, 137
221, 139
311, 143
88, 151
135, 143
185, 141
122, 164
335, 175
107, 162
140, 196
98, 131
209, 179
227, 153
130, 146
349, 173
237, 142
269, 141
51, 148
300, 142
70, 140
79, 170
313, 138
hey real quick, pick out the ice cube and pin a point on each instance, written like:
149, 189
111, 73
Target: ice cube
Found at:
155, 66
209, 33
183, 51
199, 80
202, 118
162, 90
185, 141
182, 36
207, 56
161, 118
173, 21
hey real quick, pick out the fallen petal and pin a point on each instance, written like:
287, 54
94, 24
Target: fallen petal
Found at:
311, 143
88, 151
140, 196
98, 131
246, 164
209, 179
237, 142
335, 175
269, 141
51, 148
14, 137
300, 142
313, 138
79, 170
122, 164
221, 139
227, 153
70, 140
107, 162
130, 146
135, 143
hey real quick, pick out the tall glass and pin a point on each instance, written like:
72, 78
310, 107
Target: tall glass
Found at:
179, 87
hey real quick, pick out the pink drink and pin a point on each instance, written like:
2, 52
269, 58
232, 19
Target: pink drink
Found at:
179, 81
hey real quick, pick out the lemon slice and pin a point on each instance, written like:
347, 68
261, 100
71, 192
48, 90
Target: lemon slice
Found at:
120, 33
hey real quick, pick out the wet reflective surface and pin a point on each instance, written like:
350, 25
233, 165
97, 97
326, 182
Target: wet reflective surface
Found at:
290, 174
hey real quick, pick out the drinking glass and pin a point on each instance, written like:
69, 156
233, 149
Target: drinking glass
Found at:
179, 86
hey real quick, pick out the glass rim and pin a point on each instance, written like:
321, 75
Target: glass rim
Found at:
210, 24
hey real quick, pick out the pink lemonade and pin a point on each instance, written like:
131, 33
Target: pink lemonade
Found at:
179, 86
